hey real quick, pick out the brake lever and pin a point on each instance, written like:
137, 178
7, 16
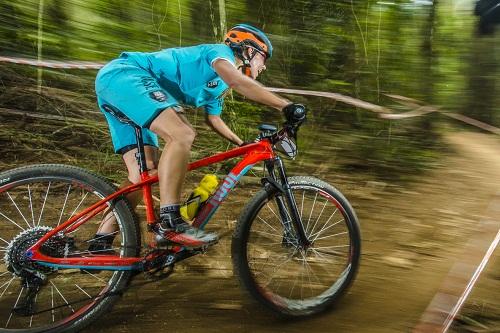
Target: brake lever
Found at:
292, 130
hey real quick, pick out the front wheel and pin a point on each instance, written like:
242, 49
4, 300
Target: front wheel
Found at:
291, 279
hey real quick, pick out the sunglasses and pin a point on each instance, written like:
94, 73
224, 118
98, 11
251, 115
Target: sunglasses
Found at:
260, 52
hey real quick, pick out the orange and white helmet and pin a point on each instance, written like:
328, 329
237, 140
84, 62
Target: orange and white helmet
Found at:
244, 35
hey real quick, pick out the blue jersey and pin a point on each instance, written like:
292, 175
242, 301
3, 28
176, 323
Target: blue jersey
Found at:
142, 85
187, 73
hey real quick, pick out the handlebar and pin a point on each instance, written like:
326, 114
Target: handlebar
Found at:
282, 139
271, 133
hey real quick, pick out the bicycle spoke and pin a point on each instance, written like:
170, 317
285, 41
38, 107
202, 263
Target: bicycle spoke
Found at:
31, 205
98, 278
331, 247
43, 205
334, 235
316, 222
83, 291
8, 285
60, 294
96, 238
266, 223
304, 268
277, 268
8, 219
79, 204
326, 228
314, 275
15, 205
270, 260
64, 205
31, 318
3, 240
312, 208
11, 312
302, 204
294, 284
322, 254
269, 207
266, 233
52, 303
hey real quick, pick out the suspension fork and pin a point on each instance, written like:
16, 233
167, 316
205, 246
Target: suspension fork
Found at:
288, 216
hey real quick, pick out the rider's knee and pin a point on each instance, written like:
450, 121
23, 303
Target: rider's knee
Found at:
190, 136
185, 138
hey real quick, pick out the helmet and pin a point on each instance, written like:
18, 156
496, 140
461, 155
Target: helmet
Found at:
246, 35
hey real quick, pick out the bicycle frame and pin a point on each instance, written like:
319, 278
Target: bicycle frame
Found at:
252, 154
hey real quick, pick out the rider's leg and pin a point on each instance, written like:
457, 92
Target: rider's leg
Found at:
107, 229
108, 224
173, 127
172, 167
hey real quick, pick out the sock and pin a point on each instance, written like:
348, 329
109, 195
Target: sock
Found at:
169, 208
169, 214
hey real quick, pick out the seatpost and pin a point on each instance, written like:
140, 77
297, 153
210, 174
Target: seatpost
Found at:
143, 169
140, 156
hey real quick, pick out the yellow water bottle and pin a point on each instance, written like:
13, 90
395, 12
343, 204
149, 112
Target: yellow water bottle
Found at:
200, 194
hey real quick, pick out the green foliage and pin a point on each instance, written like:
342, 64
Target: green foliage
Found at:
361, 49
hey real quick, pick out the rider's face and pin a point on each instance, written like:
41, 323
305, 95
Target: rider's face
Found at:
257, 64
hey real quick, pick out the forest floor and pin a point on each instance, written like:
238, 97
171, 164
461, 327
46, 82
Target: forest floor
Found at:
412, 236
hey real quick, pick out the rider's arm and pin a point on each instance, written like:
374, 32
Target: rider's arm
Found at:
246, 86
219, 126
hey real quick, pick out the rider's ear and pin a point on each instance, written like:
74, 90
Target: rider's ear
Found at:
250, 51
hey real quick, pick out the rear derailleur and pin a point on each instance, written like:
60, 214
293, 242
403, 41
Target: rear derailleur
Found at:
32, 282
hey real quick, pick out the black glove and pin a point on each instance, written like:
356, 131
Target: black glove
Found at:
295, 114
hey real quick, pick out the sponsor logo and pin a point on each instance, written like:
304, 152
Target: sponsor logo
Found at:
212, 84
223, 190
158, 95
4, 180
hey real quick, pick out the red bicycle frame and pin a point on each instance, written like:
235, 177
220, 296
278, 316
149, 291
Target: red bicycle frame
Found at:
252, 154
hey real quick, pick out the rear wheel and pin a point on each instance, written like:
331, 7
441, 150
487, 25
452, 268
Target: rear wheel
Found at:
36, 298
291, 279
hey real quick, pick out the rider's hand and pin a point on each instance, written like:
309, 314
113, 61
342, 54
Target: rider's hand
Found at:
295, 114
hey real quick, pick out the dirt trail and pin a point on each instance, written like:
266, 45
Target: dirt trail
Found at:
411, 238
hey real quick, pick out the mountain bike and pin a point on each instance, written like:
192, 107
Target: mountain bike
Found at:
295, 248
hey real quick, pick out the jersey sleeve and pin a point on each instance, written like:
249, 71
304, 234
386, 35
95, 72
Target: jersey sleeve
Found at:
219, 51
214, 108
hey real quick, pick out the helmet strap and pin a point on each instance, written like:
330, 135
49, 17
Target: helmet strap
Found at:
239, 49
246, 67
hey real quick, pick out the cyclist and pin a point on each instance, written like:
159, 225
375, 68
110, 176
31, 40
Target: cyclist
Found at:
149, 88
